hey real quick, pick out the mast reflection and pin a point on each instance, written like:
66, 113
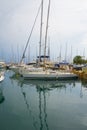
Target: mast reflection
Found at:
42, 89
45, 118
42, 109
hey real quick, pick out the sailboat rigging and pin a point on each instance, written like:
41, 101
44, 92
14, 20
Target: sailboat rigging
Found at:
23, 56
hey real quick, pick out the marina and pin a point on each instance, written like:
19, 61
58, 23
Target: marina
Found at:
43, 65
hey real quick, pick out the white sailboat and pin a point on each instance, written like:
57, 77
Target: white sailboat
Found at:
44, 73
39, 73
1, 76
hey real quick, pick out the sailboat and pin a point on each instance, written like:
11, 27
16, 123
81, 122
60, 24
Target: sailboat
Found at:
1, 76
39, 73
2, 65
42, 72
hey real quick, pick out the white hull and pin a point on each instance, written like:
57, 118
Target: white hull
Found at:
47, 75
1, 78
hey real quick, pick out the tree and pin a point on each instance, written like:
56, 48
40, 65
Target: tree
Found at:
78, 60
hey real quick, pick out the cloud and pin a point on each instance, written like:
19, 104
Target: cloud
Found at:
17, 19
69, 17
84, 40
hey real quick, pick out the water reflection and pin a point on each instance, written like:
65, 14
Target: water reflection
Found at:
84, 83
45, 118
44, 85
1, 96
29, 108
52, 85
81, 92
44, 109
41, 96
43, 105
42, 88
83, 86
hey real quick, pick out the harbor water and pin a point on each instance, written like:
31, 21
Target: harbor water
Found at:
42, 105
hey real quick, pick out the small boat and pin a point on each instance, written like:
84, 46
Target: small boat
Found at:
15, 67
2, 64
1, 76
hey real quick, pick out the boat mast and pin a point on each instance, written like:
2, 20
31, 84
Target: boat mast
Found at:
60, 54
66, 53
46, 32
71, 55
41, 31
84, 53
49, 48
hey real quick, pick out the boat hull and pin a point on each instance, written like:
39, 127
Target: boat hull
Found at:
50, 76
1, 78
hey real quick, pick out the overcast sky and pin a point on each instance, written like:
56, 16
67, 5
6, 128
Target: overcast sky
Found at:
67, 26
